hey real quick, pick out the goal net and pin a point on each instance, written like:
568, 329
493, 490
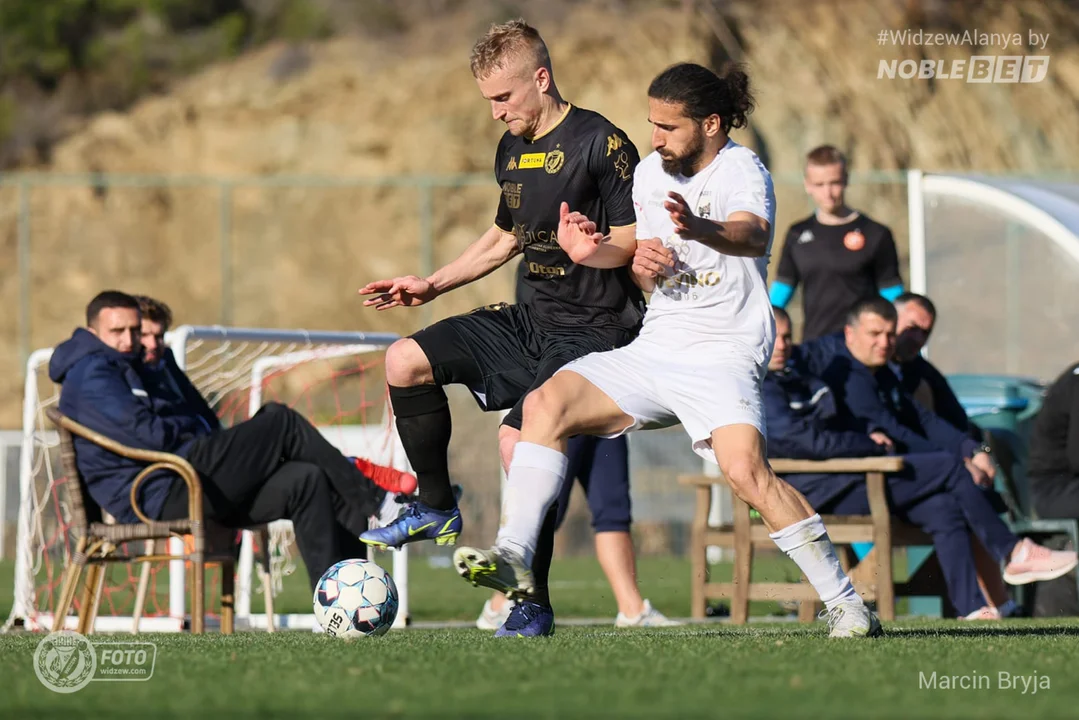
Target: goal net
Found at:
335, 379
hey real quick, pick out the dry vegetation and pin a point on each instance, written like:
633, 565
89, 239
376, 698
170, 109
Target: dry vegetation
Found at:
406, 105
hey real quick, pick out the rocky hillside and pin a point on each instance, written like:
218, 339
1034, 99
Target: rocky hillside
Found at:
349, 108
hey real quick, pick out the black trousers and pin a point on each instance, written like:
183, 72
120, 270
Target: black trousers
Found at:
277, 466
1055, 497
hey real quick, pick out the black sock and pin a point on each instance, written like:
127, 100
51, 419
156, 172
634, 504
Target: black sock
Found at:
424, 425
541, 559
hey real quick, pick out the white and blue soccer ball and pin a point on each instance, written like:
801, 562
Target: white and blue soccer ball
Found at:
354, 599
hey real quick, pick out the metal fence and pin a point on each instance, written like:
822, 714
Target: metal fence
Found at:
217, 241
290, 252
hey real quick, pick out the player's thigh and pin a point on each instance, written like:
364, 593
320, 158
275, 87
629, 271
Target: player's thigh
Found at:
550, 351
481, 350
605, 393
719, 404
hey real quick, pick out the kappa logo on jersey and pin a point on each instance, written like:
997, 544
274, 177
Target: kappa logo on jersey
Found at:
554, 162
621, 164
512, 164
512, 191
806, 236
532, 160
614, 142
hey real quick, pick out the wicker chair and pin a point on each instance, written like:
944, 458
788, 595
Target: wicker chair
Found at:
97, 540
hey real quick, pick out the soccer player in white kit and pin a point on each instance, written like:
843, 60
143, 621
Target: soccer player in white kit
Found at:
705, 213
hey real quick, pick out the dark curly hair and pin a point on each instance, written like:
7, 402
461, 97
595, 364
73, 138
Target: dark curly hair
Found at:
702, 93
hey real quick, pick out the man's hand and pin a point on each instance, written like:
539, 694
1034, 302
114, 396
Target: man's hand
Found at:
686, 224
653, 259
406, 291
881, 439
982, 469
577, 234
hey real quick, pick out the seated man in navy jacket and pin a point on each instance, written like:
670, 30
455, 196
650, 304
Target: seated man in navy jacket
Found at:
274, 466
935, 492
915, 317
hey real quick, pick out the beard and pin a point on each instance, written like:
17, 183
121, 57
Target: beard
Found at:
685, 162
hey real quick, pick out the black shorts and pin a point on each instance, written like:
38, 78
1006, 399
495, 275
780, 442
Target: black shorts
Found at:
501, 354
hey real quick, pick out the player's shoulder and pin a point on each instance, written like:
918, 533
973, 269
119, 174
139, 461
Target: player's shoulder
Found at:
800, 226
869, 226
650, 166
739, 158
506, 143
589, 125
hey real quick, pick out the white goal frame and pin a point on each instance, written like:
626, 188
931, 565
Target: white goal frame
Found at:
333, 344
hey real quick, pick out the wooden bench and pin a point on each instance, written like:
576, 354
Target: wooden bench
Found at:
872, 576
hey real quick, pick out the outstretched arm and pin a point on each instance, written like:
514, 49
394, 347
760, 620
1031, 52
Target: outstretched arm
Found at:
491, 251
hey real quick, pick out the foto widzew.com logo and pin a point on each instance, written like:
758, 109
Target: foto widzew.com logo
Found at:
66, 661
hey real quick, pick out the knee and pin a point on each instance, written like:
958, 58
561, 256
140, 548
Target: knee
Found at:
407, 365
281, 415
546, 409
748, 476
274, 408
507, 439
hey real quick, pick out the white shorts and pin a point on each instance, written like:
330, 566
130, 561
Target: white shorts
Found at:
710, 386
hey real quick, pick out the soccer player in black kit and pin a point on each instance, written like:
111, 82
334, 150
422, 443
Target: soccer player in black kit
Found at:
838, 255
554, 157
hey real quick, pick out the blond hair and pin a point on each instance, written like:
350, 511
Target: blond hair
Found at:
508, 41
826, 155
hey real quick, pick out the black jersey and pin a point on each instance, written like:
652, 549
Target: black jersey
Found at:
586, 161
837, 265
1054, 438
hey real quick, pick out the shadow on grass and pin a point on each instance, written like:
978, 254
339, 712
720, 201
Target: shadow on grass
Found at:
983, 631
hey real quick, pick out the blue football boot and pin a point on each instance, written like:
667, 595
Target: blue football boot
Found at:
528, 619
417, 522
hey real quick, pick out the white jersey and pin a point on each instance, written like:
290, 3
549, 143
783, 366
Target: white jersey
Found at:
711, 296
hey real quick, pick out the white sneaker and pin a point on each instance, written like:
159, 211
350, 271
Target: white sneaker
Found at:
648, 617
852, 619
491, 619
984, 613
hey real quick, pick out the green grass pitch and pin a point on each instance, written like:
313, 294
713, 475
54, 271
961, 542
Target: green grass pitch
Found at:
768, 669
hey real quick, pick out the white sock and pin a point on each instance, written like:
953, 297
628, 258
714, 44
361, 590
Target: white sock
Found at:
806, 542
535, 477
